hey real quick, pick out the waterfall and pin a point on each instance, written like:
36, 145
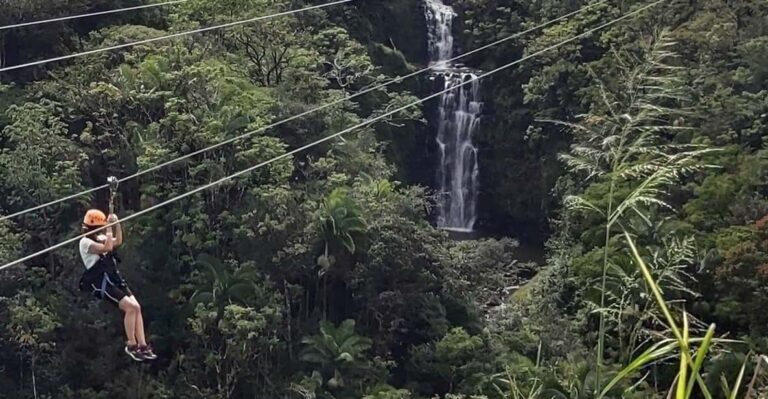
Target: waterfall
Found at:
457, 173
459, 114
439, 23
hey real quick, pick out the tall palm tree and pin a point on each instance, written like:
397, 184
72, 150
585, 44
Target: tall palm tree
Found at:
341, 227
341, 224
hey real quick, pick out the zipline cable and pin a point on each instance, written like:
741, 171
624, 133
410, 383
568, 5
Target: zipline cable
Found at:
308, 112
338, 134
174, 35
92, 14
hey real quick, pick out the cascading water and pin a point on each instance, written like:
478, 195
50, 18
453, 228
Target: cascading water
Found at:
458, 173
439, 23
458, 118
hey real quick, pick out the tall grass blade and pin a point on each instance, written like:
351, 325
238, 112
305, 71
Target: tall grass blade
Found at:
701, 354
725, 386
737, 385
683, 340
704, 390
682, 381
654, 288
655, 352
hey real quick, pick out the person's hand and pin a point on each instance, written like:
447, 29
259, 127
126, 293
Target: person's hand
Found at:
112, 218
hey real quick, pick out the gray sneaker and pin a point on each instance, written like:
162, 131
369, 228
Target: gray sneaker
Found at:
134, 352
146, 353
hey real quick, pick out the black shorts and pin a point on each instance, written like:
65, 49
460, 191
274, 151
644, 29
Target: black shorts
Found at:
105, 283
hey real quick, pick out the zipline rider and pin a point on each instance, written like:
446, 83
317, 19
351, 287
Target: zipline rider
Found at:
103, 280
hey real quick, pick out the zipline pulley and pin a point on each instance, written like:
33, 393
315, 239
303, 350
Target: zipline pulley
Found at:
114, 183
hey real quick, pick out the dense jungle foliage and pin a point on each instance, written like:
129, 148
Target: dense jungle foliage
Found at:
635, 155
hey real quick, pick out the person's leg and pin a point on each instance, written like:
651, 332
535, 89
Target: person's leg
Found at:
140, 336
145, 350
130, 308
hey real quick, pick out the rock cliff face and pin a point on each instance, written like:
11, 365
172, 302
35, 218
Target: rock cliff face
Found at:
395, 32
398, 24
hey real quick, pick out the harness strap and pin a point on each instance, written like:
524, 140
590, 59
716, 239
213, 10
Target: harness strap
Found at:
104, 281
102, 292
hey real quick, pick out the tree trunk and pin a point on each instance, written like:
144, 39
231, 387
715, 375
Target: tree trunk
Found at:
325, 298
34, 382
21, 371
48, 242
289, 318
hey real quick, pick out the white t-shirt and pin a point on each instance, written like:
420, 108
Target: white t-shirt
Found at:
90, 259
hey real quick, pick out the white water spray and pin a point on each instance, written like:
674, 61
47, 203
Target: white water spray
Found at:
459, 117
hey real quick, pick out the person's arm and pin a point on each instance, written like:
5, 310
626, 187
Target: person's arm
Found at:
118, 230
105, 247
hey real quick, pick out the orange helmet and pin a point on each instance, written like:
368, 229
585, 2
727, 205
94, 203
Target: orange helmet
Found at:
95, 218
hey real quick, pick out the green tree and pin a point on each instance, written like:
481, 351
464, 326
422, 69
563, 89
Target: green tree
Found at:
456, 363
233, 351
346, 62
337, 356
10, 243
31, 328
39, 164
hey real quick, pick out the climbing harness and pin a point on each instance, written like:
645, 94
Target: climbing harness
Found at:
104, 281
